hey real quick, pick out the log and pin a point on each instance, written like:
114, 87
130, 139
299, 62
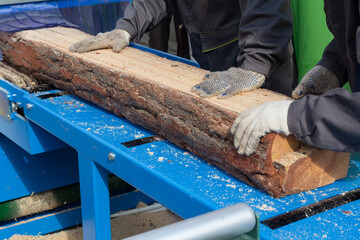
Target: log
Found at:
154, 93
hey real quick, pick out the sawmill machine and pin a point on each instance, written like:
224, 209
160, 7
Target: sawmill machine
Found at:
47, 146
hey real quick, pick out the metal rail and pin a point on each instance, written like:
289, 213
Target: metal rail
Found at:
222, 224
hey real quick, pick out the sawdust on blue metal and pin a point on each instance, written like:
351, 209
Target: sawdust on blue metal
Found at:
105, 125
216, 187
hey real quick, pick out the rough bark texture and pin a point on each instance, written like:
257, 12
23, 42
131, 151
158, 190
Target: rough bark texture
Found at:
155, 93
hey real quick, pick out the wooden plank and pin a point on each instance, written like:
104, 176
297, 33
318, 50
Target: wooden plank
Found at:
155, 93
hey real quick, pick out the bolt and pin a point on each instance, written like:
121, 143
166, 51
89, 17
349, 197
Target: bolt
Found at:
14, 106
111, 156
29, 106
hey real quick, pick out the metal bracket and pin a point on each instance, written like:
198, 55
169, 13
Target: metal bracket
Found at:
5, 104
7, 107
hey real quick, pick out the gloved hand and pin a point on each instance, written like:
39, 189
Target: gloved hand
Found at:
227, 83
256, 122
317, 81
116, 39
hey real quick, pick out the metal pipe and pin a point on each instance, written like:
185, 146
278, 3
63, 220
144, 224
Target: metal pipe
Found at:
225, 223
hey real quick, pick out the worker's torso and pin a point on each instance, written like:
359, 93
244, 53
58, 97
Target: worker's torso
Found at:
209, 16
213, 28
343, 20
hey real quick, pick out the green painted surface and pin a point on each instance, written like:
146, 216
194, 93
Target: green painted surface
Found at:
311, 34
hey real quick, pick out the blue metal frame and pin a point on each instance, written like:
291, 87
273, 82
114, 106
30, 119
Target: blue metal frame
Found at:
94, 188
32, 139
164, 55
67, 217
188, 185
184, 183
18, 168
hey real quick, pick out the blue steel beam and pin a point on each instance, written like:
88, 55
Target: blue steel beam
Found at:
95, 201
182, 182
66, 217
76, 127
25, 134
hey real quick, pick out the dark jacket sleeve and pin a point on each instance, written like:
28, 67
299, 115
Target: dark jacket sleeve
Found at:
264, 34
143, 15
330, 121
332, 60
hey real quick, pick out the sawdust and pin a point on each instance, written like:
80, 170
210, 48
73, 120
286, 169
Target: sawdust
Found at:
122, 226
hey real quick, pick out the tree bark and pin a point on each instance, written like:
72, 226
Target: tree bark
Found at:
154, 93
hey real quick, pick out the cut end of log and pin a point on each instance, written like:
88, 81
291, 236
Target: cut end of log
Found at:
153, 92
309, 168
283, 145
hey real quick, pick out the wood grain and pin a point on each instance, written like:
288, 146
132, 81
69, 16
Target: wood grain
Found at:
154, 92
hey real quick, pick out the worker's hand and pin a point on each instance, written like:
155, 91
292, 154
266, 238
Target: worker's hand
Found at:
317, 81
256, 122
227, 83
116, 39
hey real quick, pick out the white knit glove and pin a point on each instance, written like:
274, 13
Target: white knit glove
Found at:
227, 83
256, 122
116, 39
317, 81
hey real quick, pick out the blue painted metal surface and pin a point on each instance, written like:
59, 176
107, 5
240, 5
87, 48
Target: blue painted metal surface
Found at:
64, 218
164, 55
95, 201
96, 133
184, 183
22, 174
42, 224
187, 185
25, 134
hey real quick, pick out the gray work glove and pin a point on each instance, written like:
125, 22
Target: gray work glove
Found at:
317, 81
256, 122
227, 83
116, 39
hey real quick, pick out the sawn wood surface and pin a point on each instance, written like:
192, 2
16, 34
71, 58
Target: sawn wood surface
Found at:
154, 92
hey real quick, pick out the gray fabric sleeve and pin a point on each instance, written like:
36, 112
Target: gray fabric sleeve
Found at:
330, 121
143, 15
265, 31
